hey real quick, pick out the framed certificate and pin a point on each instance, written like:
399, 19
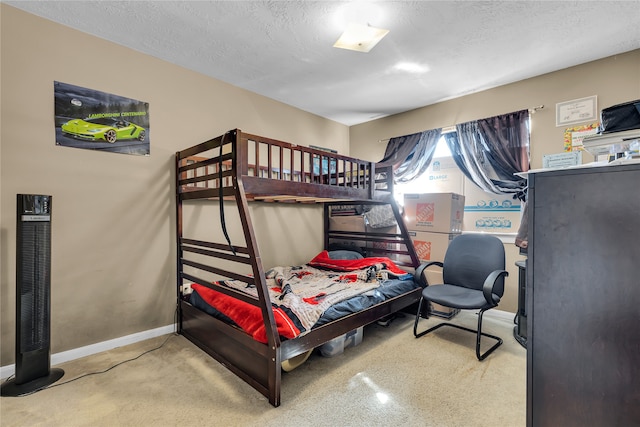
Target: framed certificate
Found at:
576, 111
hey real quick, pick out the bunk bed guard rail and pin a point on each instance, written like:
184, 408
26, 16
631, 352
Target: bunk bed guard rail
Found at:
296, 173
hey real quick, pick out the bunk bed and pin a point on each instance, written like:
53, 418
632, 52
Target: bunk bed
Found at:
237, 168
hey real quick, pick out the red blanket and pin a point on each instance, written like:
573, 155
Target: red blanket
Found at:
322, 260
247, 316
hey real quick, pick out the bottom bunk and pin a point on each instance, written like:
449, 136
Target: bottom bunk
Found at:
364, 290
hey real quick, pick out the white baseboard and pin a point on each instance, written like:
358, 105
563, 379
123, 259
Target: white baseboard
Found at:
77, 353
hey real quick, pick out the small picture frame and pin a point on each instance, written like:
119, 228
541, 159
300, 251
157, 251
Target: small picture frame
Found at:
573, 136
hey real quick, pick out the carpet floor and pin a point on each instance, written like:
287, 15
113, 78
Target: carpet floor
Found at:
390, 378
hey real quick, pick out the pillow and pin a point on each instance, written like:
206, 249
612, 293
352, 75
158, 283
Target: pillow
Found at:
381, 216
345, 247
345, 254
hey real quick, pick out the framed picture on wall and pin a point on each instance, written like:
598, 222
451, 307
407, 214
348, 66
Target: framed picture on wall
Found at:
576, 111
573, 136
94, 120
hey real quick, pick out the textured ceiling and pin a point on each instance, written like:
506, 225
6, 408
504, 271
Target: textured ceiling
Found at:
283, 49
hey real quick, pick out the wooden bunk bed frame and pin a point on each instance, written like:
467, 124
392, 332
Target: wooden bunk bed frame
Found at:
242, 167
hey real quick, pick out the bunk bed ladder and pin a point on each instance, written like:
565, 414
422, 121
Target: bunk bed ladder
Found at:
228, 183
408, 243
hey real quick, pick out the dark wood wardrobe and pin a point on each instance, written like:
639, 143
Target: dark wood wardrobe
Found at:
583, 296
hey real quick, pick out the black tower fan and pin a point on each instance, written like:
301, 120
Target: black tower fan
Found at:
33, 298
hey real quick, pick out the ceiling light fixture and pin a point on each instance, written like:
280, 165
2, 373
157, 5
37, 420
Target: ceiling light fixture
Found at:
359, 37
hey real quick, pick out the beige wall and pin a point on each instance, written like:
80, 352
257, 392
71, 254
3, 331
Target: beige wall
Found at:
113, 257
615, 79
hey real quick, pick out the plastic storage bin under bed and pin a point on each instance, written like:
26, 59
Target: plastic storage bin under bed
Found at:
337, 345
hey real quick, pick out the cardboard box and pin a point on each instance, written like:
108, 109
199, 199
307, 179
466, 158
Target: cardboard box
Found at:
347, 223
491, 222
388, 230
443, 176
434, 212
395, 229
431, 246
491, 213
354, 223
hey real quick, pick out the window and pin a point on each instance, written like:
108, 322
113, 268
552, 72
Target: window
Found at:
431, 181
483, 212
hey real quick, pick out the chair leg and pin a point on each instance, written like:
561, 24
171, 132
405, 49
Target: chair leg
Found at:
478, 332
415, 323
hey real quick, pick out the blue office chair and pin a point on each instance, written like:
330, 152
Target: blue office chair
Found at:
473, 274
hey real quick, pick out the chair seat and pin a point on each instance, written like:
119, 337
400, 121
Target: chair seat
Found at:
458, 297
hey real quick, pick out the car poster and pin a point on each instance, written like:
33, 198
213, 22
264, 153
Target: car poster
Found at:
87, 118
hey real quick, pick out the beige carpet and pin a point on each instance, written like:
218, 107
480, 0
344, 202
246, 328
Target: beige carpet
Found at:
391, 378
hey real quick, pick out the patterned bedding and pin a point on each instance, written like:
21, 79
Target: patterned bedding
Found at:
306, 296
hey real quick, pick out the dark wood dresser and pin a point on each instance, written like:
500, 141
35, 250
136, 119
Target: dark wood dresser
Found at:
583, 297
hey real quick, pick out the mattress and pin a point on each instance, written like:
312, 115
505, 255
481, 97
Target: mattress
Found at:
308, 296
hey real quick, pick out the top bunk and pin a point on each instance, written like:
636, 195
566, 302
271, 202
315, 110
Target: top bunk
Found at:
269, 170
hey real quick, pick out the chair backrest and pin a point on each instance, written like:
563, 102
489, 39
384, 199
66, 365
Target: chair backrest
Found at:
470, 258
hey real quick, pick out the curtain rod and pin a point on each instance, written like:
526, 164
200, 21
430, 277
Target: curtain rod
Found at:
452, 128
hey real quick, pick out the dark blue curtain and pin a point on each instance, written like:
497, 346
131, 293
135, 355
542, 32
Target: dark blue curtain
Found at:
491, 151
410, 155
507, 140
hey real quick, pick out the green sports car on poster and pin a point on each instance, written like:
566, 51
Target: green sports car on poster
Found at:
103, 129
